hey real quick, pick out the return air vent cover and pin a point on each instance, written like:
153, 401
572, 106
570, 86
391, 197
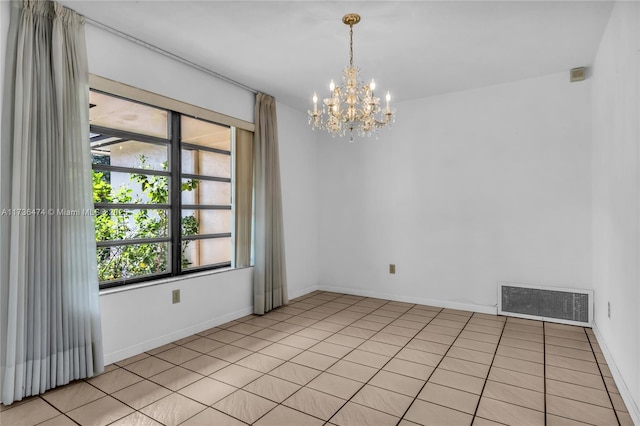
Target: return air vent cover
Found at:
562, 305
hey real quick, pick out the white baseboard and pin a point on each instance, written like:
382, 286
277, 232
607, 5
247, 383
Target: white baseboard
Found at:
626, 395
492, 310
303, 291
155, 342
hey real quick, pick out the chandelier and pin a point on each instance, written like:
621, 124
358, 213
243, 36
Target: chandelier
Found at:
351, 106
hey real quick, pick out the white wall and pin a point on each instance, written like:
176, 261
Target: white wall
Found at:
140, 319
616, 164
137, 320
121, 60
298, 173
468, 189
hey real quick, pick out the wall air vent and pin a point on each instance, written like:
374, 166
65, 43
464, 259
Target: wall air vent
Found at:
561, 305
577, 74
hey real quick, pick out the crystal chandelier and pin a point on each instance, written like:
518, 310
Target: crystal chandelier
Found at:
353, 105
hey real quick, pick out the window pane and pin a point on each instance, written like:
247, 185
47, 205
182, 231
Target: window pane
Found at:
206, 192
197, 222
117, 113
117, 187
207, 134
129, 261
140, 155
126, 224
134, 142
205, 163
210, 251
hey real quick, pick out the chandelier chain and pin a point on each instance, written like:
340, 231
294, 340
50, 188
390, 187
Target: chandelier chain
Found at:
351, 45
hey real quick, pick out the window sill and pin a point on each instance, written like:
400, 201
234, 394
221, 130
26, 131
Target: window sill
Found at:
161, 281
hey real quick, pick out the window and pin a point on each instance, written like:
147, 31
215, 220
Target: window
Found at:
162, 189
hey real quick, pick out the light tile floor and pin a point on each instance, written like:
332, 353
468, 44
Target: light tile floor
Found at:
335, 359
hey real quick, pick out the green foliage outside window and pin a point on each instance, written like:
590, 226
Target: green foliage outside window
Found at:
111, 224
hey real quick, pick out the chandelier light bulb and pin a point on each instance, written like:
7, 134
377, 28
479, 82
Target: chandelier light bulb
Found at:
352, 104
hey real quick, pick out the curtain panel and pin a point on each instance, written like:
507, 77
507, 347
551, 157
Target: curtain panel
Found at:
49, 312
270, 274
243, 197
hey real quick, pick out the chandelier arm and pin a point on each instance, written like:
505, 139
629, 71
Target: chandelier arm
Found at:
362, 97
384, 123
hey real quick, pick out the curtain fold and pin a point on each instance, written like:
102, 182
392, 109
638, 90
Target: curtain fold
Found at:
49, 312
270, 275
243, 199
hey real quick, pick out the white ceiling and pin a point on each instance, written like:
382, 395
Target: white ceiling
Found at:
412, 48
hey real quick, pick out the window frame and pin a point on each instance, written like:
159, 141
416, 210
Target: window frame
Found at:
175, 176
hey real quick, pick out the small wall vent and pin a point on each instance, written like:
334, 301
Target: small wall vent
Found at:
577, 74
561, 305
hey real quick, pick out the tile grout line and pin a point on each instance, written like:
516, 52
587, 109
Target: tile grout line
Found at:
85, 380
615, 412
436, 367
544, 368
234, 363
138, 410
347, 306
59, 411
354, 348
289, 360
379, 369
328, 301
475, 412
246, 319
204, 376
321, 371
304, 350
403, 347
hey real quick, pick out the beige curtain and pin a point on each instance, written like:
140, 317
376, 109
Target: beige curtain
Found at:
270, 277
49, 303
244, 197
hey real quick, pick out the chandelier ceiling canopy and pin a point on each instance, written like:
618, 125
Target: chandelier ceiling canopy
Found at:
351, 106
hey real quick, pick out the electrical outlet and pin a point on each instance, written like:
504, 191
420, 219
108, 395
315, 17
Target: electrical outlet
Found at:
392, 268
175, 296
609, 309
